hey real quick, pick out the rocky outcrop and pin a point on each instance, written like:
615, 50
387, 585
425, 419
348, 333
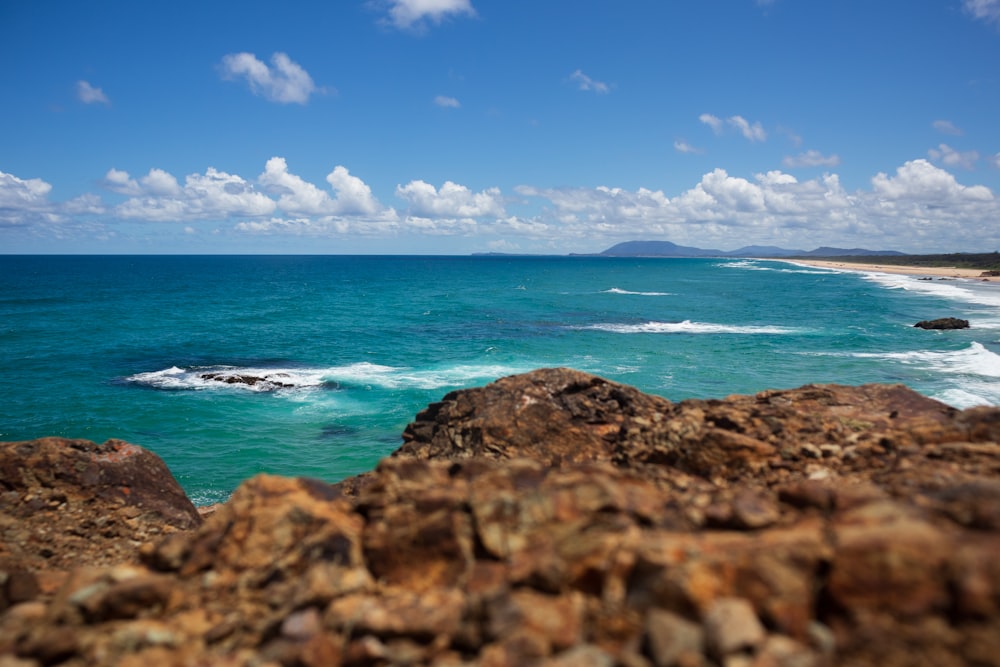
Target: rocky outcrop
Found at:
69, 503
556, 518
943, 323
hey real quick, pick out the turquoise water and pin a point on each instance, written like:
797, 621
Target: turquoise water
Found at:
351, 348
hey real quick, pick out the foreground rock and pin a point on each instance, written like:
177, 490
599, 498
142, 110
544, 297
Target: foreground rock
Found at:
943, 323
68, 503
556, 518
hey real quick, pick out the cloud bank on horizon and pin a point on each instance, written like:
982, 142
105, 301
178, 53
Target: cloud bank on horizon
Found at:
725, 169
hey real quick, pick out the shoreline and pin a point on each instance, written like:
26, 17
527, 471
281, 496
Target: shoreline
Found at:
925, 271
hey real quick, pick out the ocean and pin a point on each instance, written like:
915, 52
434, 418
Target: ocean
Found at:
329, 357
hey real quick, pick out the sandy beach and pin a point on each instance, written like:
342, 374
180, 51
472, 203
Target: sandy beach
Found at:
928, 271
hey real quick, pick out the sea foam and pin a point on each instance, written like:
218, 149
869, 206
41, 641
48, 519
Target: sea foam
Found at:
688, 327
285, 380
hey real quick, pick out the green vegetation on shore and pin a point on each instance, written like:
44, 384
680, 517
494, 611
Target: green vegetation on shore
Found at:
983, 261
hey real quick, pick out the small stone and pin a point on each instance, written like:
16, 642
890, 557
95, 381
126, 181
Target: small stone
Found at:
671, 637
731, 625
811, 451
302, 624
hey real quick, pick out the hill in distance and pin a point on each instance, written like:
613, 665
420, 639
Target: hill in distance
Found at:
669, 249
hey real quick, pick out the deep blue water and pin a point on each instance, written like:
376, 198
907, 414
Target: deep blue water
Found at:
119, 347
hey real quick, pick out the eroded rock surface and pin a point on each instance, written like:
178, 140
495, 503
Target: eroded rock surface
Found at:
555, 518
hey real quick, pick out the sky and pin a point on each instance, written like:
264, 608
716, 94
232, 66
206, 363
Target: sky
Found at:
466, 126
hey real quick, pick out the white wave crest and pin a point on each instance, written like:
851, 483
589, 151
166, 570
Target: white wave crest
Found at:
616, 290
964, 291
689, 327
234, 377
971, 372
362, 374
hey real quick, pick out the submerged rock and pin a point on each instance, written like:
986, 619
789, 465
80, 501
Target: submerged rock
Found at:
557, 518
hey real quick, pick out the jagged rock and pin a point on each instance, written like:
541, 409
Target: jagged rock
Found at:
943, 323
606, 527
267, 382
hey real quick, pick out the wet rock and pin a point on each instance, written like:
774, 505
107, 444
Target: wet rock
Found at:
943, 323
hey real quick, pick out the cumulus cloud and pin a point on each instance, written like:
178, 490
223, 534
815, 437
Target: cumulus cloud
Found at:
953, 158
25, 202
919, 204
985, 10
214, 194
446, 102
416, 14
947, 127
285, 81
918, 207
88, 94
919, 180
156, 182
22, 200
452, 201
811, 158
750, 131
584, 82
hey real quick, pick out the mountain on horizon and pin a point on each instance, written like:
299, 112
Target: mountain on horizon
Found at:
669, 249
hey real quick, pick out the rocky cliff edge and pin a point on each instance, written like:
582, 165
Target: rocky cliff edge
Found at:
552, 518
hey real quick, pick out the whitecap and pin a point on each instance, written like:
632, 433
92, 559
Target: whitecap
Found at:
616, 290
286, 380
970, 374
229, 377
688, 327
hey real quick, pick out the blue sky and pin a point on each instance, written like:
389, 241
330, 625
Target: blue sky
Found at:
457, 126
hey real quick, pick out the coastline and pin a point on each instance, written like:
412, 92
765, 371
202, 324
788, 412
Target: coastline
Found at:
928, 271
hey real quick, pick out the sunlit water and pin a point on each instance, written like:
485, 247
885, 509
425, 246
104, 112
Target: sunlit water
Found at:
349, 349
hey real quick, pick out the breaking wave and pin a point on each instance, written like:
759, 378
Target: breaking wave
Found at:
616, 290
363, 374
689, 327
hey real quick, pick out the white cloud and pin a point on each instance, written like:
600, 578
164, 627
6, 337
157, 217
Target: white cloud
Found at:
446, 102
918, 207
299, 197
811, 158
22, 200
415, 14
995, 160
952, 158
682, 146
285, 81
921, 205
452, 201
750, 131
947, 127
88, 94
156, 182
920, 181
713, 122
353, 195
584, 82
214, 194
25, 202
986, 10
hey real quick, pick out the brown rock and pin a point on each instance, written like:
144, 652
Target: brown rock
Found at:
552, 518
